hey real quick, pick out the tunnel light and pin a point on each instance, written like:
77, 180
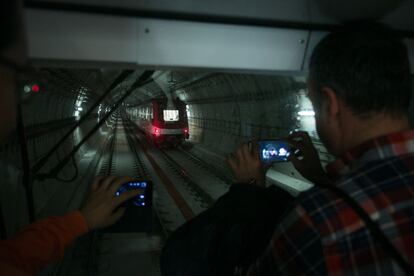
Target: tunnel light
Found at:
80, 108
306, 113
35, 88
27, 89
187, 108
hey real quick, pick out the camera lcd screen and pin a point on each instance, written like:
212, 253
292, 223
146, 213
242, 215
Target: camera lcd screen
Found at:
143, 199
274, 151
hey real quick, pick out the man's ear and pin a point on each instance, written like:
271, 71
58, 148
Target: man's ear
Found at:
332, 105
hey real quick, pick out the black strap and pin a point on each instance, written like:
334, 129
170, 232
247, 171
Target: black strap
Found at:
373, 228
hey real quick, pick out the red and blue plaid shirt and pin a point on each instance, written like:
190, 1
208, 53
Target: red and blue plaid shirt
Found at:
322, 235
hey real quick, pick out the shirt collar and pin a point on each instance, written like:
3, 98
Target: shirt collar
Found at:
383, 147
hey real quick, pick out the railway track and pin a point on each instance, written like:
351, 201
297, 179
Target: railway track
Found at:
207, 166
184, 186
103, 253
198, 183
124, 158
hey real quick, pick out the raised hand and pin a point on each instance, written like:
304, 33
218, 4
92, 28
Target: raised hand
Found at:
246, 166
307, 162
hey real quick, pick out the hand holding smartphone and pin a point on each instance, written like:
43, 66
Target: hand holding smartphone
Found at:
138, 214
143, 199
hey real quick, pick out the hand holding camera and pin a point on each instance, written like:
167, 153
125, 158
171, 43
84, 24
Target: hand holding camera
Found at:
306, 159
251, 160
246, 165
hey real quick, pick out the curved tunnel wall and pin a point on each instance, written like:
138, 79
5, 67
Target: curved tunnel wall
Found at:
47, 115
226, 110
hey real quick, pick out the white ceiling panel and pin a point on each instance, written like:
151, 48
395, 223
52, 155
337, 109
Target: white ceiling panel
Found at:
79, 36
185, 44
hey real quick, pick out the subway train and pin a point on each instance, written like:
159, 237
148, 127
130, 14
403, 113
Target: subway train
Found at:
164, 122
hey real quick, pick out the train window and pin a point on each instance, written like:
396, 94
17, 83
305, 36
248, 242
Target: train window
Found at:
171, 115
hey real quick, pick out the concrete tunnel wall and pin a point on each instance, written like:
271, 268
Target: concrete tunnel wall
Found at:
47, 115
227, 110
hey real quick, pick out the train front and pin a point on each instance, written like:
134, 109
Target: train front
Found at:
170, 122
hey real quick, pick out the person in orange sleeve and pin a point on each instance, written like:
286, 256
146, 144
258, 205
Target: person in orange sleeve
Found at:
44, 241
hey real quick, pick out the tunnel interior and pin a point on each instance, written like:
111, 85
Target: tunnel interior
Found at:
94, 72
223, 109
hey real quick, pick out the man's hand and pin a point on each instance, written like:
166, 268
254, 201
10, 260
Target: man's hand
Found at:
308, 163
246, 166
100, 208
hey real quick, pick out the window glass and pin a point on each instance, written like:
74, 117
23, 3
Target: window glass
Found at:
171, 115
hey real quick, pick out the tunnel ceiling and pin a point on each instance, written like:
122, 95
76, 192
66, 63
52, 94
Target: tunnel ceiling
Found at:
204, 86
163, 82
184, 84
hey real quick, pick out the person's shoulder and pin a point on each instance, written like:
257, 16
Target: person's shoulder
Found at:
315, 199
316, 207
305, 213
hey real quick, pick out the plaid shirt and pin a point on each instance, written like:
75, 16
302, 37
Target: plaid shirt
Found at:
323, 235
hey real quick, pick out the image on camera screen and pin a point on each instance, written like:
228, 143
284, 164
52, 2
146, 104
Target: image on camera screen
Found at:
139, 200
274, 151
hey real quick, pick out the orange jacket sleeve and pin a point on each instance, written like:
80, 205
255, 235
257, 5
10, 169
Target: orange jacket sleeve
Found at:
41, 242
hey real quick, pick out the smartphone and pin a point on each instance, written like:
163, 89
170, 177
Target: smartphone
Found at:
138, 215
272, 151
143, 199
